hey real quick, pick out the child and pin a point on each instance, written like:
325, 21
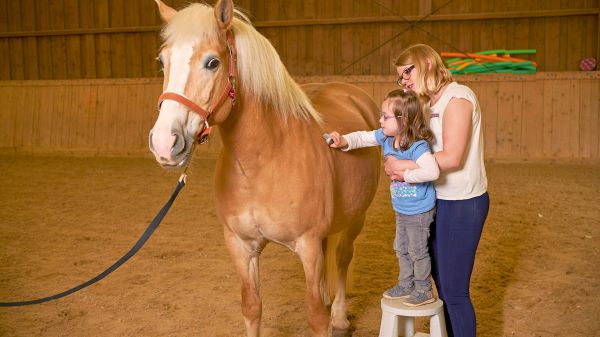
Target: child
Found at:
404, 135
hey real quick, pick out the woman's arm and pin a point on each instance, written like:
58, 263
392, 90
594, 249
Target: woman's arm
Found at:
424, 169
456, 133
428, 170
395, 167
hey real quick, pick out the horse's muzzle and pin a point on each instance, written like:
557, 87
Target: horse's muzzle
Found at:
171, 150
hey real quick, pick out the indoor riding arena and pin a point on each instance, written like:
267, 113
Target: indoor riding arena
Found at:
79, 85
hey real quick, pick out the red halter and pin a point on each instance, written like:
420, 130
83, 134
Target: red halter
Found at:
228, 90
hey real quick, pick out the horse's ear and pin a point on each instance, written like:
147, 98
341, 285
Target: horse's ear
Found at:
224, 14
166, 12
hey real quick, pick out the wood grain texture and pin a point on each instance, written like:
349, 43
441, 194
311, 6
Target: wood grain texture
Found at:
542, 116
71, 39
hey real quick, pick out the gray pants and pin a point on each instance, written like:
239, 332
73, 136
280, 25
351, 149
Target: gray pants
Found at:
410, 244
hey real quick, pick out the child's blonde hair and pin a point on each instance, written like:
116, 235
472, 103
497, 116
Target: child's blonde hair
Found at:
408, 111
431, 73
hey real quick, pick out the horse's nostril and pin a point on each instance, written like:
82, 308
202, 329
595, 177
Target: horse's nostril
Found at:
179, 145
150, 142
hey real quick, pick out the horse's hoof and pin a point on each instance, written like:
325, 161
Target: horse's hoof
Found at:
340, 325
341, 333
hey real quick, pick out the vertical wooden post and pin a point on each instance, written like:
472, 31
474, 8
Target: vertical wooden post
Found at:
598, 34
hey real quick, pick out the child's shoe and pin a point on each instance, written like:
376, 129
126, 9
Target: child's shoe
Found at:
398, 291
417, 298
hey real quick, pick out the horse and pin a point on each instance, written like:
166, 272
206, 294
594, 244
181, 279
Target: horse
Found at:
276, 179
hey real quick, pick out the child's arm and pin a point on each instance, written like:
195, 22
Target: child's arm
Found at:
428, 170
353, 140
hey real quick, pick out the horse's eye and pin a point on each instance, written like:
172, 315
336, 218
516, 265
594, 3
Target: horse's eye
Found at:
212, 64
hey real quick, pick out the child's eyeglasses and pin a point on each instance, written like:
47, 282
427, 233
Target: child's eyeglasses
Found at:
385, 117
405, 75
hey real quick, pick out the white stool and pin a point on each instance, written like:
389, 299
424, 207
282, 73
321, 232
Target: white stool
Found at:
399, 318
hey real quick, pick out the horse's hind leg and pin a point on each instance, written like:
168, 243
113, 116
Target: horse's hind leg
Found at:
245, 256
311, 254
344, 252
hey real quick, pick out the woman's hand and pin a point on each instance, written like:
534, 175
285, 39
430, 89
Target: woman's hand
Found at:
339, 142
395, 168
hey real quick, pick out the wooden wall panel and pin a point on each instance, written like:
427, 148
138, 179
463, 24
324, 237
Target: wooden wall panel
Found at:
531, 133
589, 122
4, 44
88, 42
544, 116
30, 50
489, 100
15, 45
58, 53
118, 61
7, 118
150, 41
56, 112
347, 50
595, 127
25, 117
103, 50
574, 114
72, 39
505, 134
43, 128
45, 57
73, 43
549, 102
91, 120
133, 42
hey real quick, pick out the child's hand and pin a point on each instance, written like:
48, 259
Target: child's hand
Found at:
339, 142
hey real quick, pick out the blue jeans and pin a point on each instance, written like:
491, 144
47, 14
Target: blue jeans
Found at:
455, 235
410, 244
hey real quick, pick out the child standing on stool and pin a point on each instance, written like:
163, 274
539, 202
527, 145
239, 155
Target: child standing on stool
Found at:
404, 135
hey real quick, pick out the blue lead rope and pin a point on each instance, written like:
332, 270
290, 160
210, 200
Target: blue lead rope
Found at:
139, 244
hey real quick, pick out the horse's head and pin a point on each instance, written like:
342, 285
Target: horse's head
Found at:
198, 61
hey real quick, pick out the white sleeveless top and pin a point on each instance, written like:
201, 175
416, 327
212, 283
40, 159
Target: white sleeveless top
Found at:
469, 181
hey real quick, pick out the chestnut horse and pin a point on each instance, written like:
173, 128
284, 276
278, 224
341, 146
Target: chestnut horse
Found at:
276, 179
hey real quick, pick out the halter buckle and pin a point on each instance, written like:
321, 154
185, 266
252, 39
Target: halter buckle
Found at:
203, 136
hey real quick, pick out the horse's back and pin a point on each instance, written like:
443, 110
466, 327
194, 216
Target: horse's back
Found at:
345, 107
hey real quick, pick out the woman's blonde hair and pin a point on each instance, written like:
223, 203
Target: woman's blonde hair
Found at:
431, 73
408, 111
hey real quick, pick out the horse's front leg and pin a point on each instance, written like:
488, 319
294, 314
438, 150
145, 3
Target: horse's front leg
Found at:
245, 255
311, 254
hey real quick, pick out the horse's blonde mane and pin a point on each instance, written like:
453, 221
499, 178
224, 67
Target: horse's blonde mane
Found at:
260, 69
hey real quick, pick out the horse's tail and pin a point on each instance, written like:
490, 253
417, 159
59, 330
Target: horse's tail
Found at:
329, 284
330, 273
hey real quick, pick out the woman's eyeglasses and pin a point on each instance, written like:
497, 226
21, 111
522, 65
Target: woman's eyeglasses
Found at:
405, 74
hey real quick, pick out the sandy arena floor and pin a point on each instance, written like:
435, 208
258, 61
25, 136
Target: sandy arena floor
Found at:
63, 220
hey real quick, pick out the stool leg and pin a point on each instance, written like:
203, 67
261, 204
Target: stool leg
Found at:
389, 325
437, 326
407, 326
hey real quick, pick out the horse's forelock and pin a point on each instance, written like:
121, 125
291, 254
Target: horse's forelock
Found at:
190, 23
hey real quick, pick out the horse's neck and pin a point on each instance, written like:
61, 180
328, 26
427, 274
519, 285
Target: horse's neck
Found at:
252, 128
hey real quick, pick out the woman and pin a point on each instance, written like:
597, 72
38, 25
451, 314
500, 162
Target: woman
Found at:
462, 198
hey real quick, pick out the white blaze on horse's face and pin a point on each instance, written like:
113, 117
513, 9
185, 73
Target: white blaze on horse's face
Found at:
166, 137
190, 72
